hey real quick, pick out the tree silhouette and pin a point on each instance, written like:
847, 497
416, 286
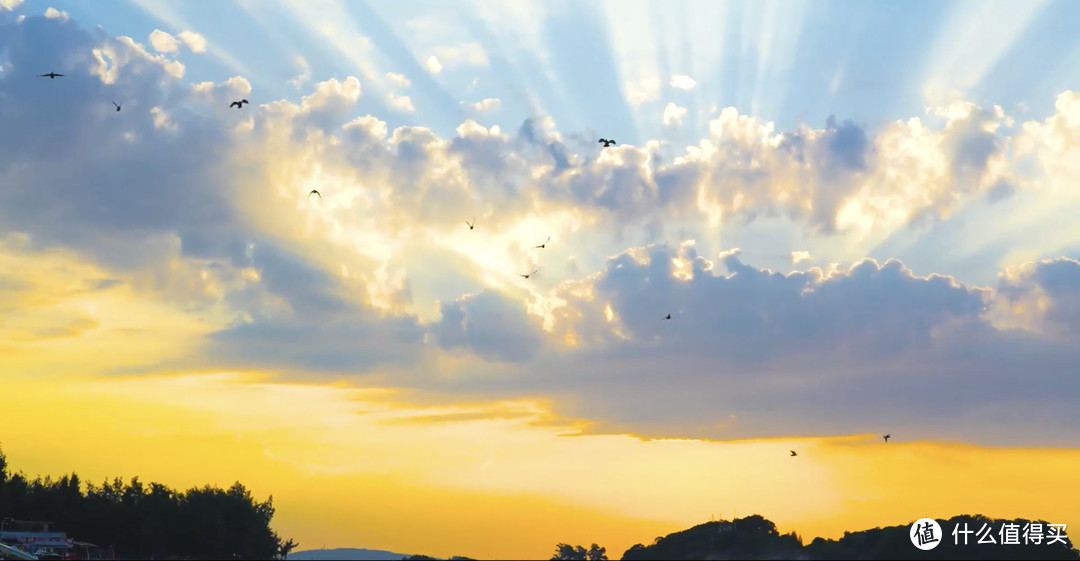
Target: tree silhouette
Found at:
286, 548
146, 521
567, 552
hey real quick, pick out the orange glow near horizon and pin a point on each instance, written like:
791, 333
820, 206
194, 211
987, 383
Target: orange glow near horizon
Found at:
346, 471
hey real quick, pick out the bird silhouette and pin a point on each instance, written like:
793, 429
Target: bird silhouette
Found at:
118, 105
793, 453
530, 274
314, 192
51, 75
472, 224
886, 437
606, 142
239, 104
543, 245
667, 316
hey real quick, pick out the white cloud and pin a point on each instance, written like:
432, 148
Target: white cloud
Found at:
10, 4
112, 55
400, 102
305, 72
487, 104
643, 91
399, 80
798, 256
163, 42
161, 119
195, 43
683, 82
433, 65
466, 54
53, 13
673, 115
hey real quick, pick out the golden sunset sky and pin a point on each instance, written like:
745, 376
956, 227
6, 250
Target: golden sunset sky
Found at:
851, 241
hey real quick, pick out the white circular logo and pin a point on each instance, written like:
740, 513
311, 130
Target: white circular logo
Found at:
926, 534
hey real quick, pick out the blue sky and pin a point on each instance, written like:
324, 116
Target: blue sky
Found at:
755, 140
787, 63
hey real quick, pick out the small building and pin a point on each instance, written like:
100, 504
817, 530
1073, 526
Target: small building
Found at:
45, 541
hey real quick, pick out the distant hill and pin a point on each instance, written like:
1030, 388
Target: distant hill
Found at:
347, 554
755, 537
752, 537
360, 554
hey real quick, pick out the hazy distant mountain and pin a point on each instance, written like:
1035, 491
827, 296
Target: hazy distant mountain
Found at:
347, 554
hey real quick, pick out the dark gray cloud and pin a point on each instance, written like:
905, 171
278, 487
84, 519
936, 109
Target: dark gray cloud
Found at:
755, 354
74, 172
490, 325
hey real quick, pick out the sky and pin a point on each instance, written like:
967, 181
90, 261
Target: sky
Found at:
861, 218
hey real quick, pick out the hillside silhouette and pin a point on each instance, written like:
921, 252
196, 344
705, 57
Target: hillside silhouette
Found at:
343, 553
756, 537
147, 521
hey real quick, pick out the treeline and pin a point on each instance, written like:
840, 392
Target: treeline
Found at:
756, 537
147, 521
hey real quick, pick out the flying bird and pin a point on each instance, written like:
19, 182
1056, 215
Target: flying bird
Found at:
606, 142
530, 274
886, 437
314, 192
667, 316
117, 105
472, 224
239, 104
543, 245
793, 453
51, 75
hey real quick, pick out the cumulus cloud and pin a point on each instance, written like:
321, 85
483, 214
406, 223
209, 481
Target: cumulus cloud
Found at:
490, 325
399, 80
487, 104
1043, 296
53, 13
683, 82
10, 4
799, 256
673, 115
804, 353
433, 65
164, 42
195, 43
400, 102
204, 209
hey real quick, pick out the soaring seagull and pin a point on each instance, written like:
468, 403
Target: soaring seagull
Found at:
472, 224
606, 142
118, 105
51, 75
543, 245
239, 104
530, 274
886, 437
667, 316
314, 192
